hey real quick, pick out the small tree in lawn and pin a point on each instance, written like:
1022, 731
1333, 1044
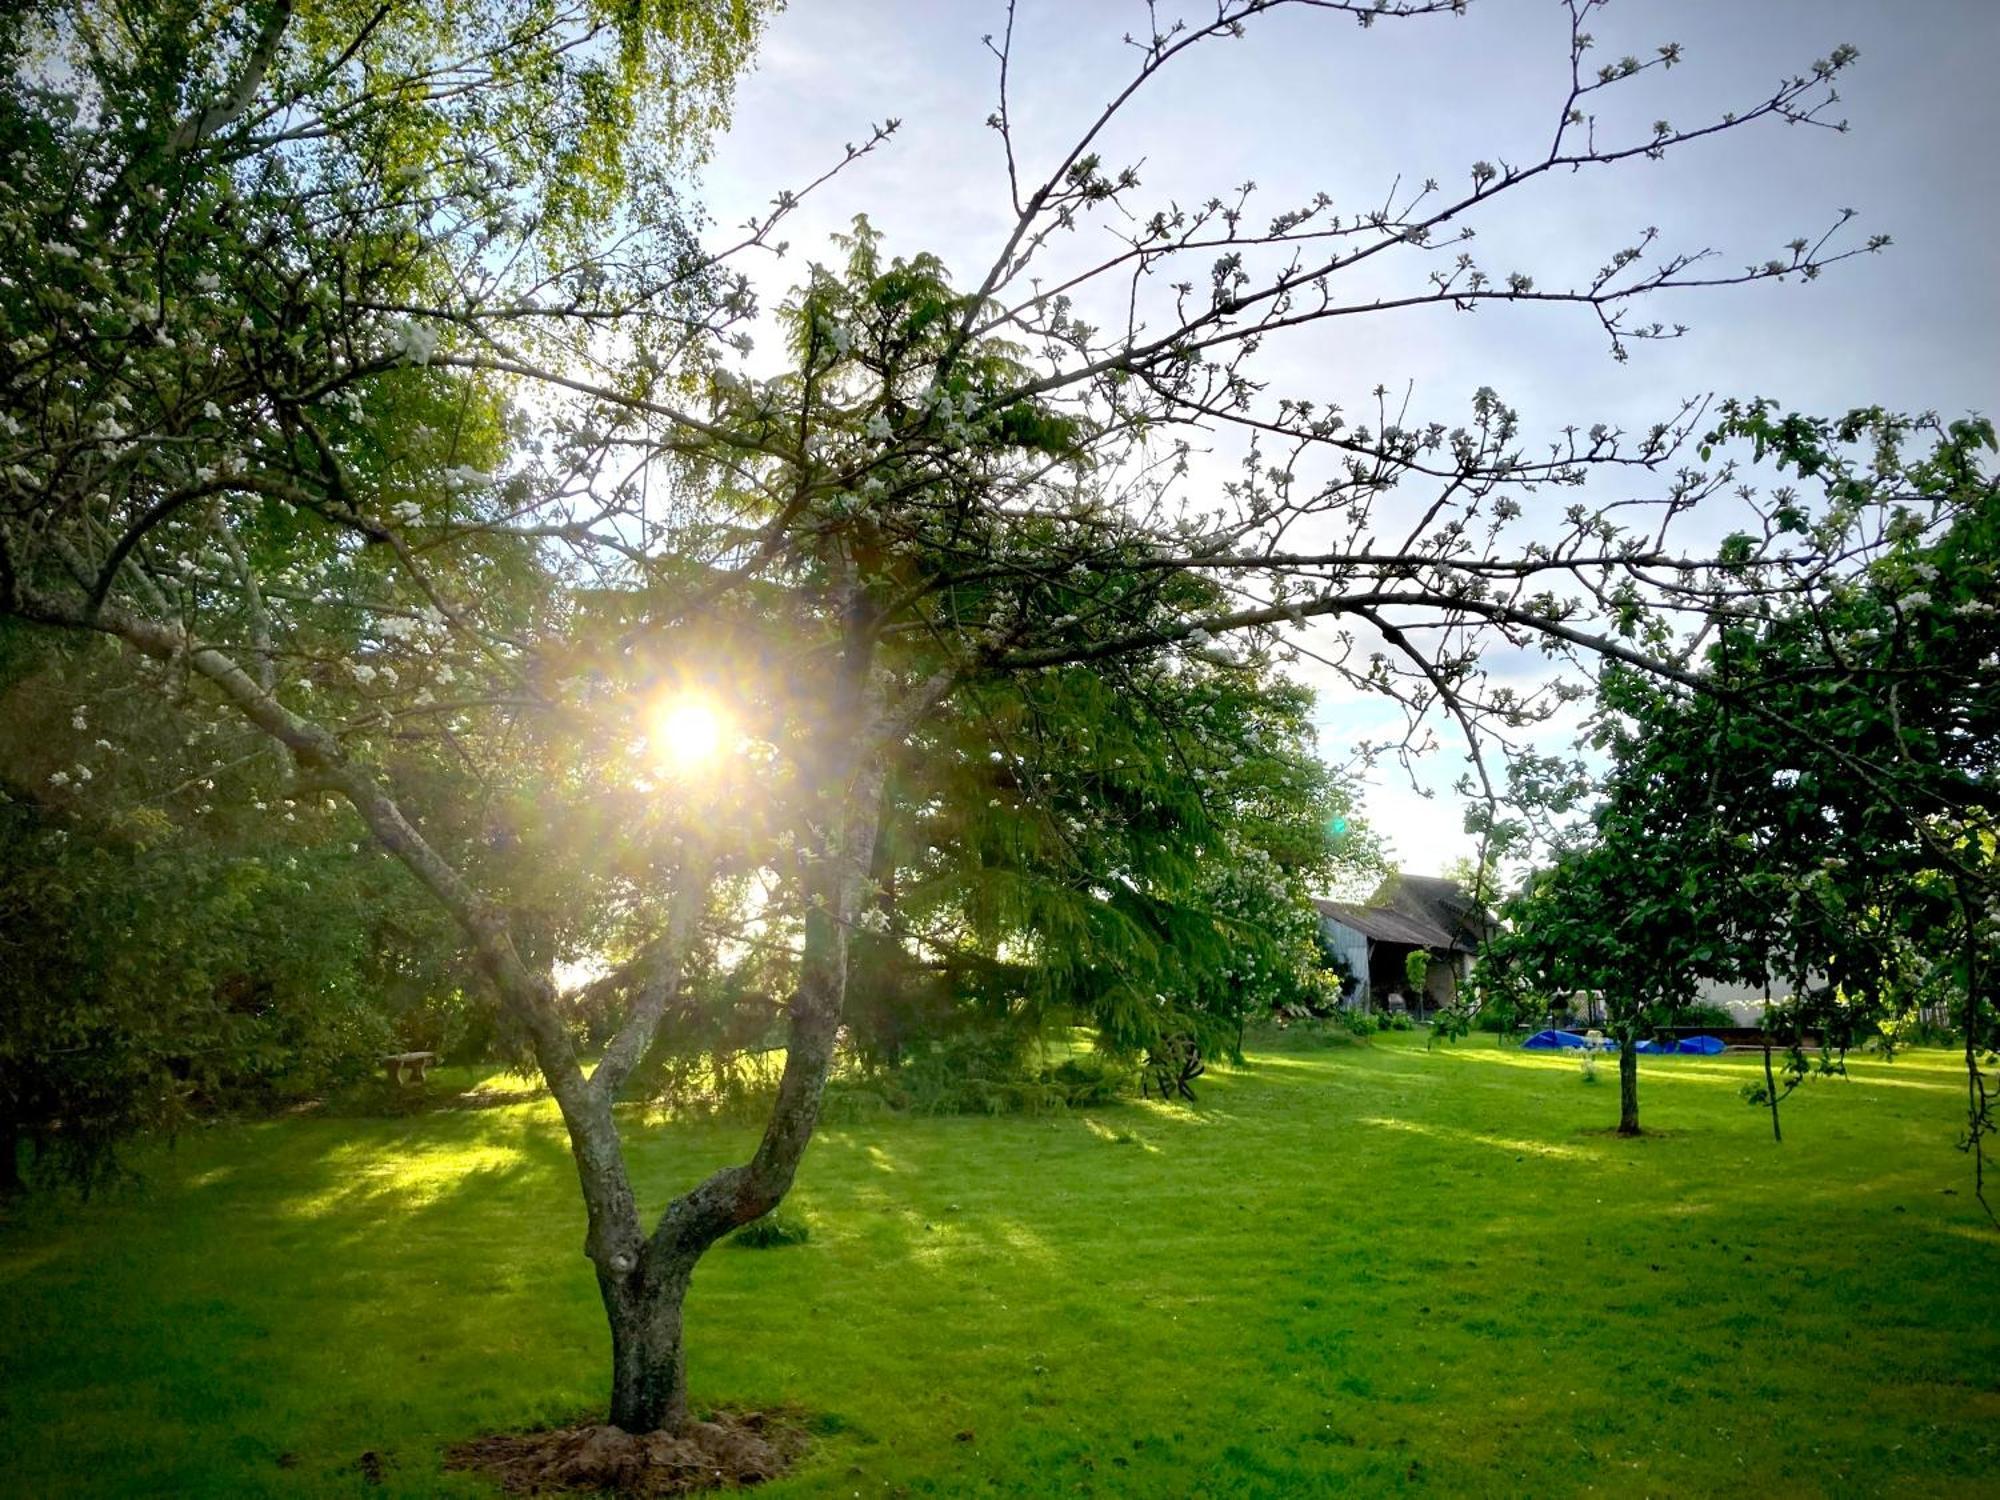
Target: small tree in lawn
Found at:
368, 389
1626, 912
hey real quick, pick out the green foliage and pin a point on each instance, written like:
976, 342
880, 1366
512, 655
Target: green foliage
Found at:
1703, 1014
1452, 1023
1918, 1031
1416, 969
983, 1068
1090, 1080
234, 238
164, 968
1300, 1034
1359, 1023
1135, 850
773, 1231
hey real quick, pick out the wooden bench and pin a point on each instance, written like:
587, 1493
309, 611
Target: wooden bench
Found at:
406, 1068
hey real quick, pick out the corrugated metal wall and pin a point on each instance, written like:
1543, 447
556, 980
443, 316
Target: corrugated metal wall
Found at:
1353, 949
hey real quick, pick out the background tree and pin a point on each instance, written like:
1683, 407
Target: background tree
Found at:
183, 932
1140, 857
1817, 798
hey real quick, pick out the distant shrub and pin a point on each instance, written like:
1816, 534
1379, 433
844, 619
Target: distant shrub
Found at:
1450, 1024
1918, 1031
849, 1100
1590, 1067
1706, 1015
982, 1071
1399, 1020
1091, 1078
1368, 1022
1309, 1035
774, 1230
722, 1084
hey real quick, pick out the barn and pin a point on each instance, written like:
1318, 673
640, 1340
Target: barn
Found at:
1407, 914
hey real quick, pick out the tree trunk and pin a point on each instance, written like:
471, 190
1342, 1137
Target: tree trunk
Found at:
644, 1286
1771, 1082
1628, 1086
11, 1183
648, 1356
643, 1280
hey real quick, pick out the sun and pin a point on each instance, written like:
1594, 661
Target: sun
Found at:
686, 734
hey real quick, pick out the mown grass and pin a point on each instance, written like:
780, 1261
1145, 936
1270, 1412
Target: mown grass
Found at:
1363, 1270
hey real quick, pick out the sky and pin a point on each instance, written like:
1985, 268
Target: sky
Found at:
1308, 101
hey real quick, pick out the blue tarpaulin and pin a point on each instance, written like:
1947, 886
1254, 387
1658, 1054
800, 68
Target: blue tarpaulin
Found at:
1554, 1041
1569, 1041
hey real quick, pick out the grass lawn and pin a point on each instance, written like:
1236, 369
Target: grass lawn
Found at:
1360, 1270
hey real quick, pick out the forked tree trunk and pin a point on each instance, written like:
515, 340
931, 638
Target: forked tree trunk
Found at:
648, 1358
644, 1282
643, 1279
1628, 1086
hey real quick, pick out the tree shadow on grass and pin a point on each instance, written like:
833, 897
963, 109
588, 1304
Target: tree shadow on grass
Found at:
320, 1289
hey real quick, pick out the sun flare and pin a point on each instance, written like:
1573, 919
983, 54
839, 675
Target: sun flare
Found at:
686, 735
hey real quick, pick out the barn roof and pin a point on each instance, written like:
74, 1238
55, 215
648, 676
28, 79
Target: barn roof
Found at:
1384, 925
1423, 911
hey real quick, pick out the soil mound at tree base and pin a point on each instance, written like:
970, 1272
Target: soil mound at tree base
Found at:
727, 1451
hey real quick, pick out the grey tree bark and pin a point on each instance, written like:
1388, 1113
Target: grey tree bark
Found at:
1628, 1085
644, 1282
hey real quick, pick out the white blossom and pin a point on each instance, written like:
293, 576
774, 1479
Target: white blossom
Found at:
413, 341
